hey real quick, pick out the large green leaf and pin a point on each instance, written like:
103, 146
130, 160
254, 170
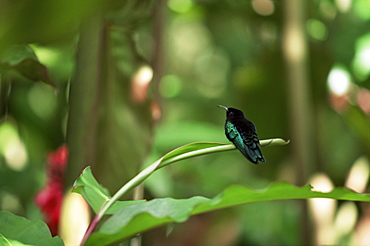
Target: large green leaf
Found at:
16, 230
131, 220
138, 218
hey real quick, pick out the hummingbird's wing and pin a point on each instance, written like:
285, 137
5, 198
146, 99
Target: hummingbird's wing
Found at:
252, 145
246, 141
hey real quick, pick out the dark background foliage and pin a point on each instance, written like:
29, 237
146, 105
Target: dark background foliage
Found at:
97, 60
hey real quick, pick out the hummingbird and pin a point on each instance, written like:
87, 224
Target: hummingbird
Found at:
242, 133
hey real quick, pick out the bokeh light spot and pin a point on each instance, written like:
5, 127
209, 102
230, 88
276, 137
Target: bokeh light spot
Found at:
317, 29
46, 55
170, 86
12, 148
140, 83
180, 6
42, 100
346, 218
263, 7
339, 80
343, 5
212, 67
359, 175
361, 9
361, 61
9, 202
322, 210
189, 38
328, 9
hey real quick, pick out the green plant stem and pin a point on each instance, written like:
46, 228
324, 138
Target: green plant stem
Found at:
162, 162
226, 147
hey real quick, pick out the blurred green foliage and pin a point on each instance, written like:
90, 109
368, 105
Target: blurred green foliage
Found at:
214, 52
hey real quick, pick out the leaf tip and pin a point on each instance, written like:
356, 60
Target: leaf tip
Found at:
76, 185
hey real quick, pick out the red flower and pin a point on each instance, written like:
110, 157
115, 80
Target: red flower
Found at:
50, 198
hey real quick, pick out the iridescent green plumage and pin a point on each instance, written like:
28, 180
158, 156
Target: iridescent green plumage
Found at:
242, 133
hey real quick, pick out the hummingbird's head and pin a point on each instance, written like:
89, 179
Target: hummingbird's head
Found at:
232, 112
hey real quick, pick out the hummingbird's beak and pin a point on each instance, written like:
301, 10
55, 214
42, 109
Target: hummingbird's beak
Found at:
223, 107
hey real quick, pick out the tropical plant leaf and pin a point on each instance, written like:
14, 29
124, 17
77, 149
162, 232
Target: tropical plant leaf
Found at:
32, 69
16, 230
22, 59
95, 194
130, 221
103, 204
14, 54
